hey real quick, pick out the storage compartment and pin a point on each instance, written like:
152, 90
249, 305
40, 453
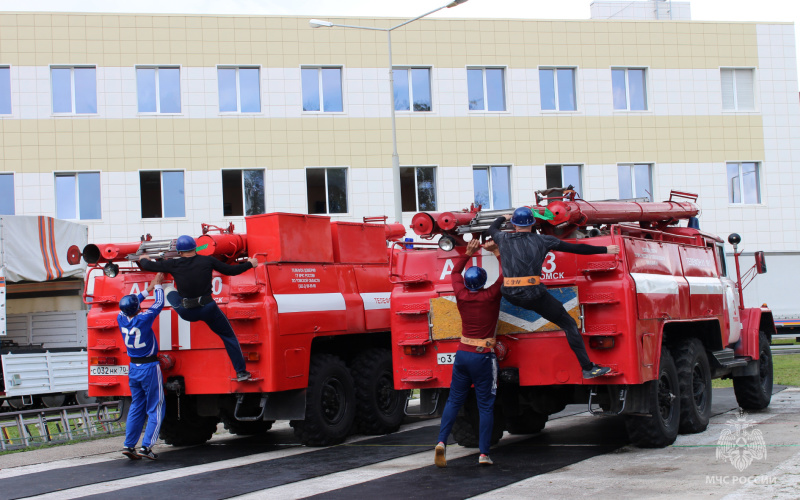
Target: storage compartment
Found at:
354, 242
290, 237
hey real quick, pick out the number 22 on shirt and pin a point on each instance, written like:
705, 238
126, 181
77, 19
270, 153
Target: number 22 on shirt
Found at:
132, 338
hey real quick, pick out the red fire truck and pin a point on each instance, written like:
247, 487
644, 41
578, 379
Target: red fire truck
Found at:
665, 314
313, 323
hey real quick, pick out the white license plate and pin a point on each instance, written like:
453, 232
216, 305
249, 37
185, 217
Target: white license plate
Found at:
108, 370
447, 358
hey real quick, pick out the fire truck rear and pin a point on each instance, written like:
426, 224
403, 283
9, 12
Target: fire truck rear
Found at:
664, 315
313, 324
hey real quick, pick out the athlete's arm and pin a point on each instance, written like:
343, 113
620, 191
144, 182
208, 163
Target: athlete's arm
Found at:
152, 265
235, 270
584, 249
155, 309
494, 229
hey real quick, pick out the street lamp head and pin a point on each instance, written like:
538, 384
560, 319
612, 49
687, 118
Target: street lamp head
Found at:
316, 23
455, 3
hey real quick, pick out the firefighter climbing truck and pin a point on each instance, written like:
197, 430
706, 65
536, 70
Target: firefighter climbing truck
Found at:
313, 323
665, 315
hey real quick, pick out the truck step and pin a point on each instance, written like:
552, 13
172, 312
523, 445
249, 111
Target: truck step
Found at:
728, 359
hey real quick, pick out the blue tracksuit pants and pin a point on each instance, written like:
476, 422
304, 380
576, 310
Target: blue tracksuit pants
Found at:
147, 391
211, 315
480, 370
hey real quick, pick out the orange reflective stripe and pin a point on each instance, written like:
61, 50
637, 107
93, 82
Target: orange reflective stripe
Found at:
523, 281
479, 342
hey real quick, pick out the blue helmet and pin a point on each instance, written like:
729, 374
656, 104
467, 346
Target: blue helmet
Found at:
129, 305
523, 216
475, 278
185, 244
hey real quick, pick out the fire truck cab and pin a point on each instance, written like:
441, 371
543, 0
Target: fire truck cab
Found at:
666, 316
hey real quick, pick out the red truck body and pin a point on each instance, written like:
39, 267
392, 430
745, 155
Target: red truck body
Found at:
323, 291
667, 290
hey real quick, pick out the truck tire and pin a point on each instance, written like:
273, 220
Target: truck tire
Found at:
694, 380
467, 424
530, 422
83, 398
660, 428
191, 429
379, 407
246, 428
755, 392
330, 403
54, 400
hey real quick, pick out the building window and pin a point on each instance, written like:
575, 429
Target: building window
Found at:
322, 89
159, 89
6, 194
74, 89
558, 176
629, 89
486, 89
738, 93
327, 190
557, 88
635, 181
78, 195
239, 90
418, 188
492, 187
5, 90
412, 89
242, 192
744, 184
162, 194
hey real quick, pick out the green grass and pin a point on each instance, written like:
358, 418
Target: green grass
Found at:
786, 371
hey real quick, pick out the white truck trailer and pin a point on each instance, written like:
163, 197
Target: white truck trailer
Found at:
42, 317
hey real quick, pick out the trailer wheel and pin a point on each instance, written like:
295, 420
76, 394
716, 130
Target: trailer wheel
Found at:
694, 380
246, 428
54, 400
660, 428
467, 424
379, 407
530, 422
330, 403
755, 392
83, 398
191, 428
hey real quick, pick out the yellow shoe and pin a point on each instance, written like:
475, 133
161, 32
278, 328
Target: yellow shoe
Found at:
439, 457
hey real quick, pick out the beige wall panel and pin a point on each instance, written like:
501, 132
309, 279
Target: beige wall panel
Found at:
115, 145
108, 40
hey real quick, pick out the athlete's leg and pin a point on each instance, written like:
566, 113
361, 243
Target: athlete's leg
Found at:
484, 376
552, 310
219, 324
459, 388
136, 413
154, 389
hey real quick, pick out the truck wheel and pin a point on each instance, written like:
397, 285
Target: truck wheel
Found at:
379, 407
83, 398
755, 392
330, 403
191, 428
694, 380
660, 428
530, 422
54, 401
467, 424
246, 428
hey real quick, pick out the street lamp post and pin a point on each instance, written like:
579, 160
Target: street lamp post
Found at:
316, 23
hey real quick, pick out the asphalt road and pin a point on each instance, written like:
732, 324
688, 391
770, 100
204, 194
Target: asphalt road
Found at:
576, 455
